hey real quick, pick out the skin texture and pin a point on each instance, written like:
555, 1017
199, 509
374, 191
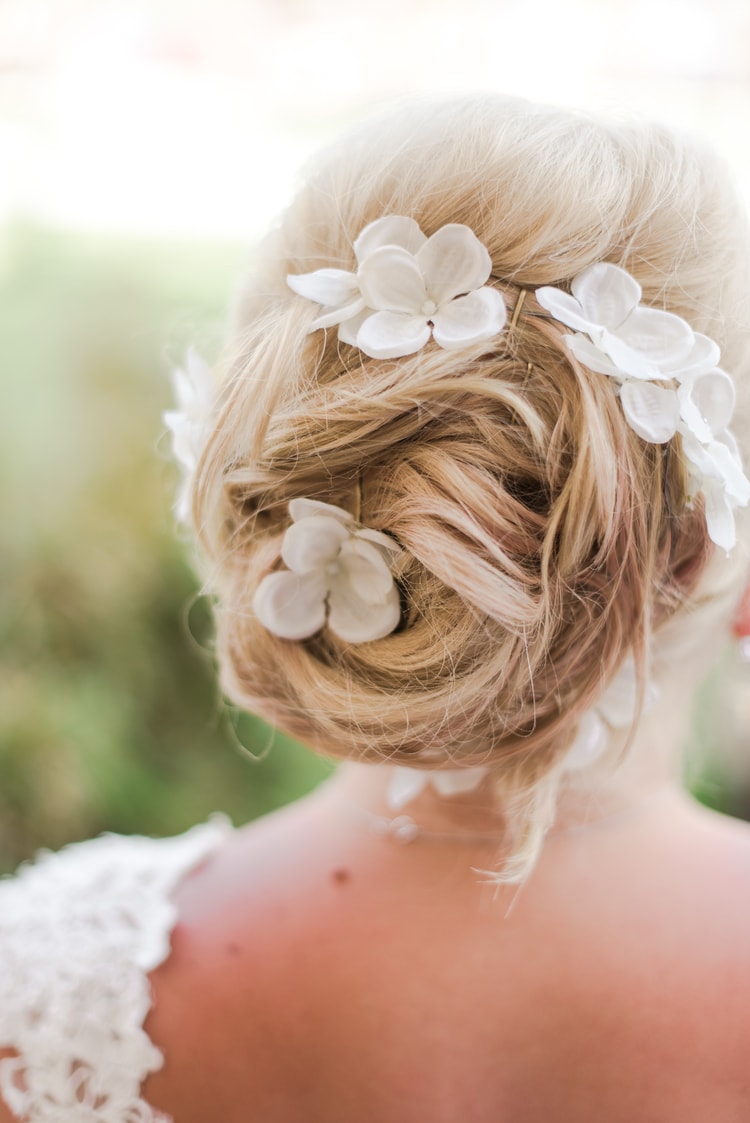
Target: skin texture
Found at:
323, 973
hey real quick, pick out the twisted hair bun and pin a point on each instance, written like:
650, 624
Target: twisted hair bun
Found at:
543, 540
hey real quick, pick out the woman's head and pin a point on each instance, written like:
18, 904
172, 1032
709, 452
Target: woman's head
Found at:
543, 540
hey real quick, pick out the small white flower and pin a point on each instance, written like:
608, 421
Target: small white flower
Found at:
189, 423
631, 343
336, 572
406, 784
408, 288
626, 338
615, 709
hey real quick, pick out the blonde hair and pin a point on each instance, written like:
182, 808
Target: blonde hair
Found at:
543, 539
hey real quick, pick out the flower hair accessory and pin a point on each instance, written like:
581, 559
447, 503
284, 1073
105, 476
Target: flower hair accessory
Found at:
337, 572
640, 347
189, 423
407, 289
616, 709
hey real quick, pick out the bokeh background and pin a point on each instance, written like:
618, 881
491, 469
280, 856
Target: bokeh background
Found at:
144, 147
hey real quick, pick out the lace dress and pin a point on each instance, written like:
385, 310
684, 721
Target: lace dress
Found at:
79, 932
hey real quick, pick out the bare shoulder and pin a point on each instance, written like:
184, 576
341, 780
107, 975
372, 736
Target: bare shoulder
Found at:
295, 946
683, 967
235, 1005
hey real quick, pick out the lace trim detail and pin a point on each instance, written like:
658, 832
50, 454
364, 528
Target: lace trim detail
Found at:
79, 932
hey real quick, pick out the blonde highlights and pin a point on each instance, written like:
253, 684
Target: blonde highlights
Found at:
543, 540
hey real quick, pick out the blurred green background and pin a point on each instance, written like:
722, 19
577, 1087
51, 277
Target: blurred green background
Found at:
109, 713
144, 145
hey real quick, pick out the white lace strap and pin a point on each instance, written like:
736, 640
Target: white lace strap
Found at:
79, 933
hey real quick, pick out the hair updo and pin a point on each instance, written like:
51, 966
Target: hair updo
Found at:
543, 539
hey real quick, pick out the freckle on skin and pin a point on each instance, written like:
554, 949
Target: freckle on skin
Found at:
233, 949
340, 876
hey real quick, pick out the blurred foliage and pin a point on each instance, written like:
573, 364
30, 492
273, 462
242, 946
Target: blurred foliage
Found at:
110, 718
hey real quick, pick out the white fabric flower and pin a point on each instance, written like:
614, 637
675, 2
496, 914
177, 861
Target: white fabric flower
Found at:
408, 288
189, 423
616, 709
716, 471
406, 784
640, 347
706, 408
631, 343
336, 572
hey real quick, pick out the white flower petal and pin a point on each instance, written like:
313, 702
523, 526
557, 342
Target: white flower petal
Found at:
366, 570
563, 307
607, 294
183, 391
312, 544
390, 335
589, 355
590, 742
618, 702
660, 336
356, 621
378, 538
189, 425
736, 483
718, 460
457, 781
629, 362
291, 606
404, 786
391, 281
728, 439
199, 397
469, 319
306, 508
338, 315
349, 328
707, 403
330, 287
719, 515
184, 443
652, 411
453, 261
703, 357
393, 230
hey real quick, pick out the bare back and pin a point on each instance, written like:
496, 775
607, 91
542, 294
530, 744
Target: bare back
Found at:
320, 973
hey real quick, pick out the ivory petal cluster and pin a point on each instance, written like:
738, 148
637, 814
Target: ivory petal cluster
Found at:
336, 573
642, 348
407, 289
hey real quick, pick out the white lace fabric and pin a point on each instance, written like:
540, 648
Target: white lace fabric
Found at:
79, 932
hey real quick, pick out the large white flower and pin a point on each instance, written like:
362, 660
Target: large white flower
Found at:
336, 572
194, 391
408, 288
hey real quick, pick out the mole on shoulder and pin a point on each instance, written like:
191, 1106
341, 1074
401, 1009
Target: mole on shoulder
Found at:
233, 949
340, 875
